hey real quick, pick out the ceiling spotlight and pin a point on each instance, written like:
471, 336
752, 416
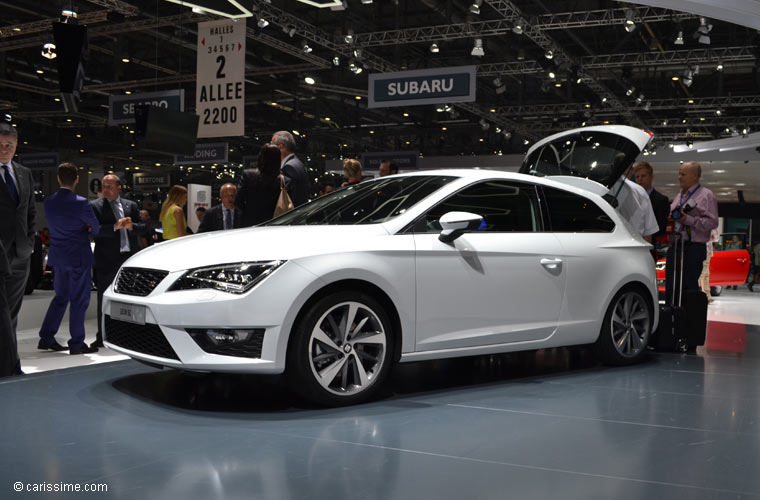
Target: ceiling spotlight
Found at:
475, 7
640, 99
526, 142
357, 53
688, 77
484, 124
366, 2
718, 112
336, 60
349, 38
507, 134
69, 14
290, 30
630, 91
354, 68
48, 51
477, 48
309, 80
440, 108
497, 82
703, 32
647, 106
305, 47
549, 54
434, 48
679, 38
518, 27
520, 54
262, 23
551, 75
719, 66
630, 23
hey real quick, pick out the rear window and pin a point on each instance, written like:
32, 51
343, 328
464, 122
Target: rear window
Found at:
570, 213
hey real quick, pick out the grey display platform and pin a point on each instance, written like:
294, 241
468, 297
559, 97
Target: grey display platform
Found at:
544, 424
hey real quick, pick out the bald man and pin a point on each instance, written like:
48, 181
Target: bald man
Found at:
225, 215
695, 212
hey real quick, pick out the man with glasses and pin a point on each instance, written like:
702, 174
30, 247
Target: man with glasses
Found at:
17, 215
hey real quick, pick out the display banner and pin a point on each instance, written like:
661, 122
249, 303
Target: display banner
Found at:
220, 86
405, 160
198, 195
121, 108
39, 160
426, 86
150, 180
204, 153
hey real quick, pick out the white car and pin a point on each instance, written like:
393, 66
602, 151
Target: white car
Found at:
411, 267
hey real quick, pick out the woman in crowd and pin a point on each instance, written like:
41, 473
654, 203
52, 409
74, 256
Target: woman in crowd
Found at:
172, 217
260, 188
352, 169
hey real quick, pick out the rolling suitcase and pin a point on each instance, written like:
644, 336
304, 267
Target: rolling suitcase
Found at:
683, 318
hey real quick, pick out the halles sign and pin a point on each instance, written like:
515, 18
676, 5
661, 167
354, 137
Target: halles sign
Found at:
426, 86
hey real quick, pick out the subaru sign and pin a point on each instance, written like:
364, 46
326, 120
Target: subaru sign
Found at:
426, 86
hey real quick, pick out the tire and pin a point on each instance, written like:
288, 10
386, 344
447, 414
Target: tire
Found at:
715, 291
331, 367
626, 328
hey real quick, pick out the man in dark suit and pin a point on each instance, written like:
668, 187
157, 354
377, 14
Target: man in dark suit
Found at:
120, 224
225, 215
71, 221
7, 332
292, 167
16, 225
660, 204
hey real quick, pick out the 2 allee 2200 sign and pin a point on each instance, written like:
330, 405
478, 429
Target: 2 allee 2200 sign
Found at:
221, 70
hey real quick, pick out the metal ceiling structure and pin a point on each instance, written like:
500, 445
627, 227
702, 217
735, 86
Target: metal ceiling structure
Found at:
614, 62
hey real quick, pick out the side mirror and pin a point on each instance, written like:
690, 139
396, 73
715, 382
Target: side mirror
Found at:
454, 224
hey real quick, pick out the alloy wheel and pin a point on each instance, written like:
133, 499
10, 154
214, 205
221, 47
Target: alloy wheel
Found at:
347, 347
630, 324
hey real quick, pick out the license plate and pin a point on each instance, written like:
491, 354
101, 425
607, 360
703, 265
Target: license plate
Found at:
132, 313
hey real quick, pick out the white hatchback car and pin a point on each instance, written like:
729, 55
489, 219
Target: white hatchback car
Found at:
411, 267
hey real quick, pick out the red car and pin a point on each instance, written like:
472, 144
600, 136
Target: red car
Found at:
729, 264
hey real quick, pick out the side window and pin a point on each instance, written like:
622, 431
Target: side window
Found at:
570, 213
505, 207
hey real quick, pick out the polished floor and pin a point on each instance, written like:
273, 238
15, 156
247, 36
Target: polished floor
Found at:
543, 424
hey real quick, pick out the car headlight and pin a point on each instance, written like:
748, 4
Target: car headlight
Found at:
232, 278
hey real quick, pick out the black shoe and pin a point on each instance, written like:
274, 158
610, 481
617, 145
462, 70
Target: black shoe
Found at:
84, 350
750, 286
97, 343
53, 346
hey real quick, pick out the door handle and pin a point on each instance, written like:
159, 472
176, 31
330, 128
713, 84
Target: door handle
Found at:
551, 263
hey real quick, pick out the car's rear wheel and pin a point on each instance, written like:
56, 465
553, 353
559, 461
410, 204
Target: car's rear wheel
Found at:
715, 291
340, 350
626, 328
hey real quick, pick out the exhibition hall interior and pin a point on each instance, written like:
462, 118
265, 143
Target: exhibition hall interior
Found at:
212, 288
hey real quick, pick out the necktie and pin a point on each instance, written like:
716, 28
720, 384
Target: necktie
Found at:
118, 212
10, 183
227, 218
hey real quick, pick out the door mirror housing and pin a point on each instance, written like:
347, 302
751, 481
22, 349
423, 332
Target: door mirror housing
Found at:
454, 224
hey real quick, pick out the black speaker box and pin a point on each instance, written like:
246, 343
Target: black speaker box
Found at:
71, 47
165, 130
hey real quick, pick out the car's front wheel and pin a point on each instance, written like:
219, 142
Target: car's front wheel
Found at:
341, 350
626, 328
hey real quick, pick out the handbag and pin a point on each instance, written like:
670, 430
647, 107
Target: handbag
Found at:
284, 203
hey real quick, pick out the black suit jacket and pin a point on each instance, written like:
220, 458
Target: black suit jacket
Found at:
298, 186
213, 219
661, 208
17, 221
108, 242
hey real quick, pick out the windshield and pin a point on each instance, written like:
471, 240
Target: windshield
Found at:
369, 202
599, 156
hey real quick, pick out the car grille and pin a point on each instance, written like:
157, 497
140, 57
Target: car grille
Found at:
145, 339
138, 281
251, 348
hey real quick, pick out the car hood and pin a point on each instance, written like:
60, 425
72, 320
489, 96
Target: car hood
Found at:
253, 244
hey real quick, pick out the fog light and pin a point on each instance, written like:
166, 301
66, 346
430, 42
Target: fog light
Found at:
243, 342
224, 336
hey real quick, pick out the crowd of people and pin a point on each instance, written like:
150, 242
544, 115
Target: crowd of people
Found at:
119, 228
